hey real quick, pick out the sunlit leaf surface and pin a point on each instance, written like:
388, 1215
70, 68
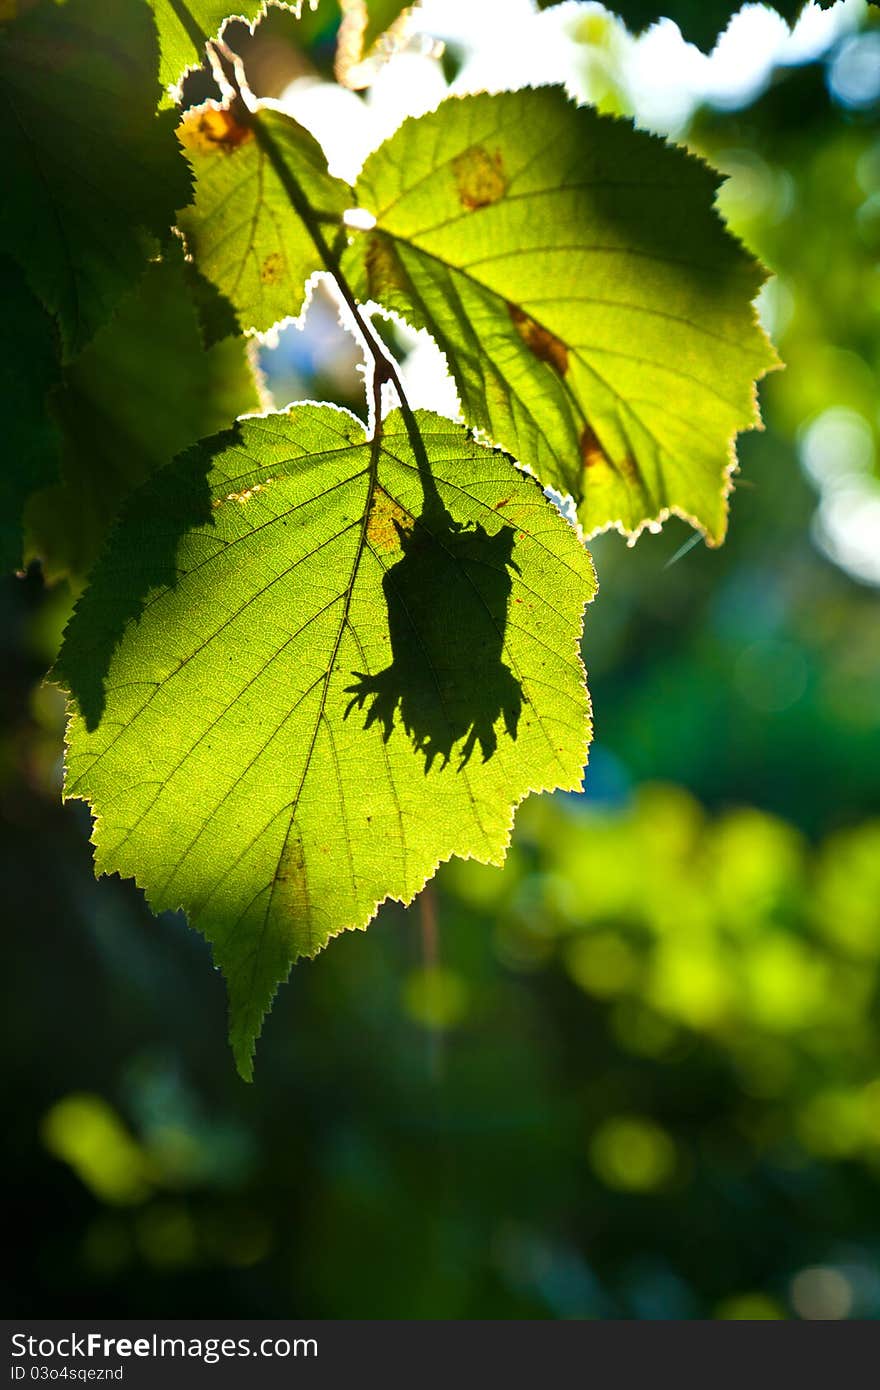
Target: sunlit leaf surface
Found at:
242, 231
179, 25
306, 671
594, 312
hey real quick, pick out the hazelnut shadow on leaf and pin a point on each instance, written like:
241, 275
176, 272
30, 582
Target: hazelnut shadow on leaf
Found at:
447, 600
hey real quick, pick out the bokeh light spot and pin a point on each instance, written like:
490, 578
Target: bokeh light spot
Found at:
749, 1307
435, 997
87, 1134
854, 74
633, 1154
820, 1292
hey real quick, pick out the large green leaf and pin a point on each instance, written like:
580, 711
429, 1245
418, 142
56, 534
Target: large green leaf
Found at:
330, 675
90, 173
144, 389
594, 312
242, 229
29, 367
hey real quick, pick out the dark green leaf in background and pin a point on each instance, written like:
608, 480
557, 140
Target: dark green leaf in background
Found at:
91, 175
144, 389
29, 366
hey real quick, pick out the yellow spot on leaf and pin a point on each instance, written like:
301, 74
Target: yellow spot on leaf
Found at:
245, 495
540, 341
215, 128
479, 177
386, 520
272, 269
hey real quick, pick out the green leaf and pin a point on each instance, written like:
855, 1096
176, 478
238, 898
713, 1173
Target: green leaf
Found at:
91, 175
143, 390
181, 23
593, 310
29, 367
242, 230
332, 675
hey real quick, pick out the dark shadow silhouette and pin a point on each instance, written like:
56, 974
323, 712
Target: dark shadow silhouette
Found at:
139, 557
447, 601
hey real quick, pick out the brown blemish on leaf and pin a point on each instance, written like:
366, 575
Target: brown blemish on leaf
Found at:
272, 269
630, 472
626, 468
479, 177
384, 271
592, 452
214, 129
386, 520
540, 341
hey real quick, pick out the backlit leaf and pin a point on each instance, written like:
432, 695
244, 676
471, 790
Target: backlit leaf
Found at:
180, 28
594, 312
304, 673
242, 231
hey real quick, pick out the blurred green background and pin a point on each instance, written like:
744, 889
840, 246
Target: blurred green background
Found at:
635, 1074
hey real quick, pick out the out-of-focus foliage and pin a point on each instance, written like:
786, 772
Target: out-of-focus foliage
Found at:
639, 1080
26, 376
701, 21
759, 669
786, 173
